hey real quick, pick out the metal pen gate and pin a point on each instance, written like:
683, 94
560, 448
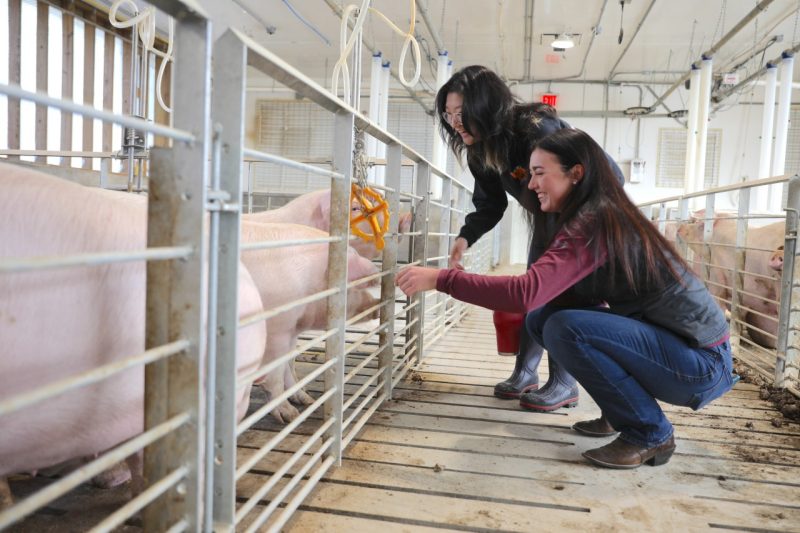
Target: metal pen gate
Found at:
193, 460
767, 342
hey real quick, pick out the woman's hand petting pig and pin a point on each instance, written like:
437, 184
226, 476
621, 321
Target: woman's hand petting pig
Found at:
412, 280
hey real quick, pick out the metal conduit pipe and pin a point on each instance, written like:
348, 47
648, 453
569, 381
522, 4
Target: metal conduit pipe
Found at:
528, 39
633, 37
761, 6
585, 57
423, 9
719, 96
371, 47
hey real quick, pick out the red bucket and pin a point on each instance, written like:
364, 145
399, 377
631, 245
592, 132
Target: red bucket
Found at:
507, 327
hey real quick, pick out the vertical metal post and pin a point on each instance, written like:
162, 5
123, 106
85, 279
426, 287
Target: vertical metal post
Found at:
394, 155
662, 217
344, 123
444, 241
788, 361
420, 252
228, 106
175, 290
739, 266
708, 228
683, 217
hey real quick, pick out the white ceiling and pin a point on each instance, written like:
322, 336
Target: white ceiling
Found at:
672, 34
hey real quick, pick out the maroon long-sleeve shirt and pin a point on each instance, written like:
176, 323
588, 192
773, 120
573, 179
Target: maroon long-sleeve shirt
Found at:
567, 261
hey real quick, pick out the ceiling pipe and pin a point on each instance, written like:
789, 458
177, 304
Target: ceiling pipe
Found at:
528, 79
527, 51
719, 96
646, 72
630, 42
371, 47
423, 9
761, 6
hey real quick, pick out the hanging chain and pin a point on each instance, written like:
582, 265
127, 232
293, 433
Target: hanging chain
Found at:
360, 163
796, 16
720, 21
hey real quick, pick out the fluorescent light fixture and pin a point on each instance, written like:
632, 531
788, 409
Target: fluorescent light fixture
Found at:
563, 41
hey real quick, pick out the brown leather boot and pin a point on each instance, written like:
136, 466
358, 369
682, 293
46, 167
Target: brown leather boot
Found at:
599, 427
622, 454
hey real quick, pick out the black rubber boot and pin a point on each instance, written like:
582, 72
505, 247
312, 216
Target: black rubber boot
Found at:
561, 390
524, 378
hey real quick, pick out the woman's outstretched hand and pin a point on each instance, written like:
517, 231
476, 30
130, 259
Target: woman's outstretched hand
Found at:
412, 280
457, 253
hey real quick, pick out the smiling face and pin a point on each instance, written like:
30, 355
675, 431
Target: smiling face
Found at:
549, 181
453, 105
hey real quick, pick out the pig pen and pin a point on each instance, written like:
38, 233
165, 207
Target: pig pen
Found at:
403, 432
748, 260
208, 468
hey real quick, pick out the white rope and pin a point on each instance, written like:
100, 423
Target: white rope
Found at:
346, 46
145, 22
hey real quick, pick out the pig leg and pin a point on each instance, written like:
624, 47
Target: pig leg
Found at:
114, 476
289, 379
135, 464
6, 500
273, 383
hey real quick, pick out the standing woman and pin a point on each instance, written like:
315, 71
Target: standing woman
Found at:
648, 329
481, 118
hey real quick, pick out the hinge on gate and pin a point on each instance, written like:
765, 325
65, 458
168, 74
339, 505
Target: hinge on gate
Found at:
218, 201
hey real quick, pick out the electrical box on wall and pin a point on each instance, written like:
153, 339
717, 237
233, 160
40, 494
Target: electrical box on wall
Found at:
637, 170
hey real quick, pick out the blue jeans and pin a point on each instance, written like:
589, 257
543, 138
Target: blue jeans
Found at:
626, 365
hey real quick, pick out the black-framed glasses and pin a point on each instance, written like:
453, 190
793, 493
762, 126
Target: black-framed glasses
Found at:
452, 118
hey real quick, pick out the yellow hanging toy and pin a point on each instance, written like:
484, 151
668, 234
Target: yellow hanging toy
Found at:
372, 206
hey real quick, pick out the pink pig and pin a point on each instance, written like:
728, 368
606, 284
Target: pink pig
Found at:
61, 322
313, 209
285, 274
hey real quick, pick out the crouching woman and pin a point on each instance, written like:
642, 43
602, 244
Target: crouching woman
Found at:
640, 327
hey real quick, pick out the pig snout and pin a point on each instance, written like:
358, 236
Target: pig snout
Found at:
776, 260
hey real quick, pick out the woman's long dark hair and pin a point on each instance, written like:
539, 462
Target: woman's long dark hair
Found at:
486, 114
598, 206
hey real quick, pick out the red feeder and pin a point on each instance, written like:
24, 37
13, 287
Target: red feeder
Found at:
507, 327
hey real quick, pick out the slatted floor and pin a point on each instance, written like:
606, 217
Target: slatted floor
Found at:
446, 455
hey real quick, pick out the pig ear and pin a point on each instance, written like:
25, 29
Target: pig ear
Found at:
359, 267
405, 222
323, 210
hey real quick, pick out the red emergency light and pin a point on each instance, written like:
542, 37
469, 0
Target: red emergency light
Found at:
550, 99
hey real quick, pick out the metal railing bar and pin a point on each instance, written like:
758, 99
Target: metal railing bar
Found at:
716, 190
401, 373
30, 264
245, 509
257, 415
142, 500
291, 163
302, 494
354, 319
367, 415
364, 338
266, 245
266, 315
89, 470
50, 390
367, 360
15, 91
278, 438
272, 365
179, 526
357, 394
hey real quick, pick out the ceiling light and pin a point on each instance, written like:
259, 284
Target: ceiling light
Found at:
563, 41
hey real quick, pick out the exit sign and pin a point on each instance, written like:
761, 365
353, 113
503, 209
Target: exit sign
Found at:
550, 99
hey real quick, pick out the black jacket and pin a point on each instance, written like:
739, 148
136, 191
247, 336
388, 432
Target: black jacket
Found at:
489, 196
